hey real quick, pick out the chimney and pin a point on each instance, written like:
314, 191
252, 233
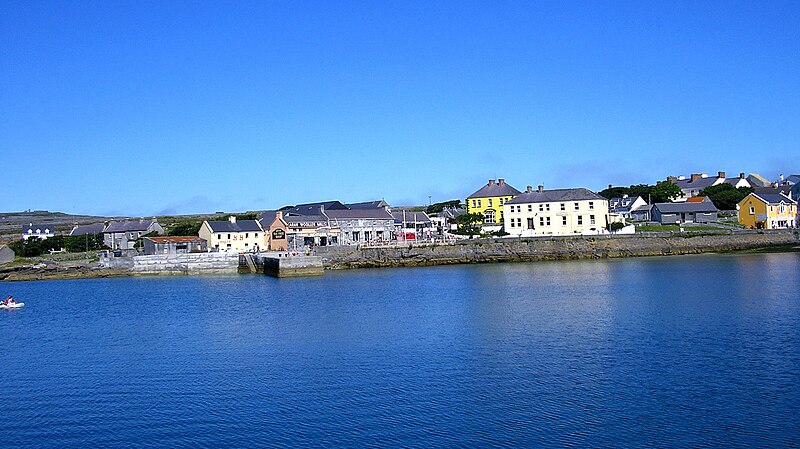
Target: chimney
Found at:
529, 189
279, 215
501, 181
540, 188
491, 182
695, 177
721, 175
232, 219
625, 195
741, 175
671, 179
610, 186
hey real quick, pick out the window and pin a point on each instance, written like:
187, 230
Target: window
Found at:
530, 223
580, 220
474, 203
541, 208
229, 236
541, 221
563, 206
591, 205
512, 222
547, 207
479, 203
547, 221
577, 206
563, 221
782, 208
591, 219
490, 202
355, 236
530, 207
752, 210
219, 236
488, 216
519, 222
246, 235
255, 235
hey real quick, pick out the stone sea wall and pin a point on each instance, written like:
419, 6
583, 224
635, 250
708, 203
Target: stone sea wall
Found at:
193, 263
535, 249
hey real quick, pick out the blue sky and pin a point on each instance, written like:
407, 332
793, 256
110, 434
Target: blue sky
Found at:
142, 108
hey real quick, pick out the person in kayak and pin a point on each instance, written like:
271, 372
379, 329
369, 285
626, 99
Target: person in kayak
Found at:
10, 300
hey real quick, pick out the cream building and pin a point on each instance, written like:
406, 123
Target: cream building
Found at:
556, 212
232, 235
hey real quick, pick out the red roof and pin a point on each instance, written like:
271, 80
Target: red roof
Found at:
696, 199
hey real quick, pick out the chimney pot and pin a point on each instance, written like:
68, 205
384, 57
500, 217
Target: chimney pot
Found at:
491, 182
741, 175
721, 174
695, 177
501, 181
540, 188
529, 189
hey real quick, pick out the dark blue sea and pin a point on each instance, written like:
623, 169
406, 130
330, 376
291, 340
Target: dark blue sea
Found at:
694, 351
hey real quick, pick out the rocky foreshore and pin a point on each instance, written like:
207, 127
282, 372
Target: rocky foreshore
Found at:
54, 271
463, 252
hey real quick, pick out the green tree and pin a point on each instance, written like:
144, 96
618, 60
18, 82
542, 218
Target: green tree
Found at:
725, 196
642, 190
435, 208
614, 192
185, 228
469, 224
664, 192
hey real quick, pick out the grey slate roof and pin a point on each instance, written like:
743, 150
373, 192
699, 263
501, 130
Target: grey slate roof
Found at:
793, 179
96, 228
699, 184
34, 227
411, 217
380, 204
556, 195
622, 204
239, 226
785, 189
298, 219
775, 198
494, 189
128, 226
671, 208
347, 214
314, 208
452, 212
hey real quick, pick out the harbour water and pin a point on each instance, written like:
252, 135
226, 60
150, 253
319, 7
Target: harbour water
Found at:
687, 351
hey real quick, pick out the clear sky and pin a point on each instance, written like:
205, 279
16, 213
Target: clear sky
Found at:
142, 108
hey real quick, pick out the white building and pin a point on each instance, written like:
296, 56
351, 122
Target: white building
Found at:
232, 235
556, 212
40, 231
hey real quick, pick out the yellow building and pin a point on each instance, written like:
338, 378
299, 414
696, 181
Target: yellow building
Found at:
768, 211
489, 200
230, 235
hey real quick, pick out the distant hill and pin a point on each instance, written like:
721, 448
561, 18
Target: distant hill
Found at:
11, 223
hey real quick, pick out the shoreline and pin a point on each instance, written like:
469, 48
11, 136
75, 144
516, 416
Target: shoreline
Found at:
466, 252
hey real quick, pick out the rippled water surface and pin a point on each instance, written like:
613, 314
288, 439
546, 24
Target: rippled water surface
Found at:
660, 352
